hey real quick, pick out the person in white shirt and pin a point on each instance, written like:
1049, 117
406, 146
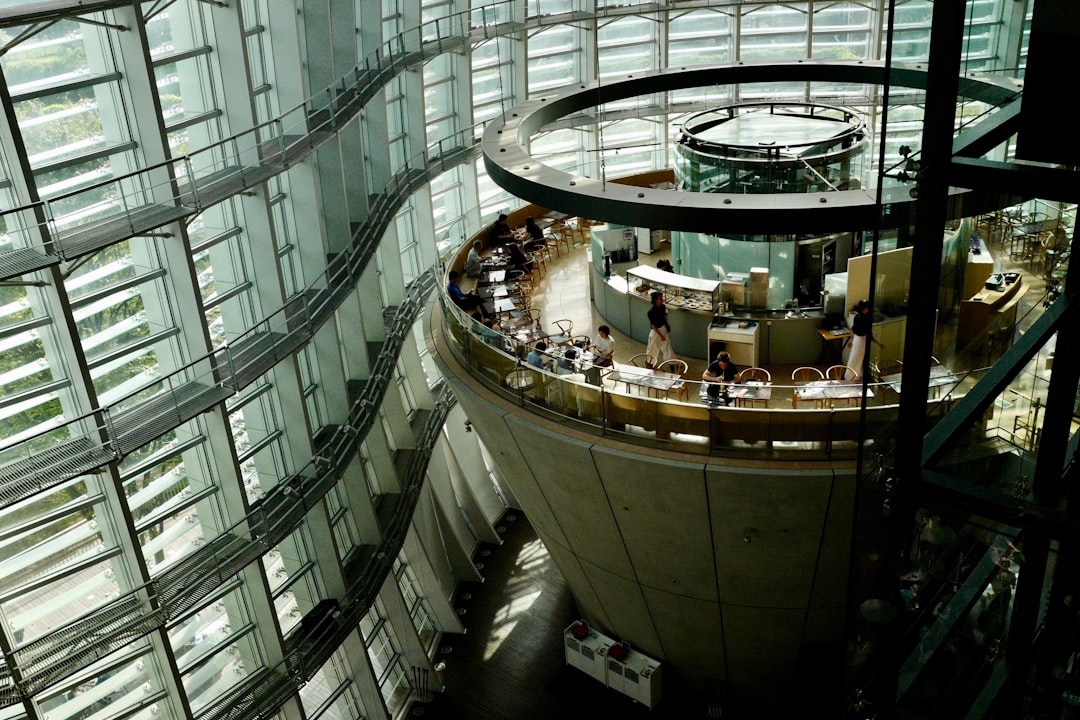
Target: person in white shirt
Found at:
604, 347
473, 261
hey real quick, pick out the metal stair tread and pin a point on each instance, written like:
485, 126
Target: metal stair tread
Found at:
14, 263
50, 466
88, 238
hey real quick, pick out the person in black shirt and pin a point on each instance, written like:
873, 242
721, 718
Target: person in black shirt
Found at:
721, 369
717, 376
518, 259
861, 331
659, 345
499, 232
535, 240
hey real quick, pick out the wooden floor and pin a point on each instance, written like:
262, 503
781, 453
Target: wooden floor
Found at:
509, 664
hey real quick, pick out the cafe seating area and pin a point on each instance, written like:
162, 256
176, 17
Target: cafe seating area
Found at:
811, 410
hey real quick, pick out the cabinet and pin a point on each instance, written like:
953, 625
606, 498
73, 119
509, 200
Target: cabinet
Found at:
637, 677
680, 291
741, 343
587, 654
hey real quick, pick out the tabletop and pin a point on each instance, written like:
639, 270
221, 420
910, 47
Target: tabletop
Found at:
738, 393
939, 375
493, 291
830, 334
831, 389
644, 377
504, 304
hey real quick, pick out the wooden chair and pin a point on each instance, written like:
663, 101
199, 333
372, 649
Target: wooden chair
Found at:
539, 263
802, 375
642, 360
555, 237
575, 232
560, 233
677, 367
565, 325
840, 372
754, 373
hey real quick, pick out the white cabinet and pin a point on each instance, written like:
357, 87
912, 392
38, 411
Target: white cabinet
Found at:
637, 676
587, 654
741, 343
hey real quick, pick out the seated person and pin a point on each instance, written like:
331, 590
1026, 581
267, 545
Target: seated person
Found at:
499, 232
466, 301
473, 261
490, 332
535, 239
604, 347
721, 370
567, 362
665, 265
536, 356
518, 259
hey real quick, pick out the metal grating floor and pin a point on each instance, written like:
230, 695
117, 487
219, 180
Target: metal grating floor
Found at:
90, 238
24, 260
48, 467
139, 425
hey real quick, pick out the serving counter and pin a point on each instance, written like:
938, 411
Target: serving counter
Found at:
762, 337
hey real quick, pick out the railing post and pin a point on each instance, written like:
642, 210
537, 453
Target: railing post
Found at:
190, 172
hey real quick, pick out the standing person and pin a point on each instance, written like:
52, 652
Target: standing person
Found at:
604, 347
500, 232
659, 345
473, 262
861, 331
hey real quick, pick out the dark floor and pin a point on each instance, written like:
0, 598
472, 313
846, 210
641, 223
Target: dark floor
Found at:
509, 665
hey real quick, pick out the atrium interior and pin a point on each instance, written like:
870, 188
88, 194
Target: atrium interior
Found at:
248, 462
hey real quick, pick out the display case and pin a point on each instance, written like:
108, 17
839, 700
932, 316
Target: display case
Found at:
680, 291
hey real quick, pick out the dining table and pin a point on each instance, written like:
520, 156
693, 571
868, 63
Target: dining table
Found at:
738, 394
940, 375
490, 292
493, 277
644, 377
829, 391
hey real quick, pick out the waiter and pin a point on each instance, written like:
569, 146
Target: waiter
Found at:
659, 346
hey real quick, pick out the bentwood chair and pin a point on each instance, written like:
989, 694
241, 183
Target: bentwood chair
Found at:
641, 360
754, 373
841, 372
677, 367
566, 327
802, 376
556, 237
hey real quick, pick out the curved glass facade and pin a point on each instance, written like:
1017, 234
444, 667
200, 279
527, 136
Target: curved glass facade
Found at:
218, 224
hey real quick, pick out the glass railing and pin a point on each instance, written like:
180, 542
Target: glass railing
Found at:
821, 417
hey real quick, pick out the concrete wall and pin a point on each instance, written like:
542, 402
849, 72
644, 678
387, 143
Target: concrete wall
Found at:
654, 545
